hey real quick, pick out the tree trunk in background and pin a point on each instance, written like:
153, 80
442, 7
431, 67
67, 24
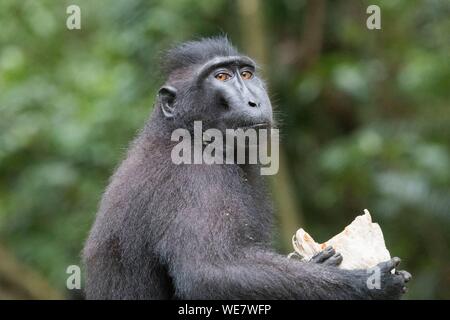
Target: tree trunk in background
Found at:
253, 40
312, 34
19, 282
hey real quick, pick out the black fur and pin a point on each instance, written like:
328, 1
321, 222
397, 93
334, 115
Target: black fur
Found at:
166, 231
197, 52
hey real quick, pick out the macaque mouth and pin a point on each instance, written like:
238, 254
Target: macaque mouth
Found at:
261, 125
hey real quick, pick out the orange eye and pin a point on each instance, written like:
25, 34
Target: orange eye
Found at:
246, 75
222, 76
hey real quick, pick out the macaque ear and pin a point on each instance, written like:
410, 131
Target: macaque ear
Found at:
166, 98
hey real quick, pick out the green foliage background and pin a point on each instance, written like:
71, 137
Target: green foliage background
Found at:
367, 125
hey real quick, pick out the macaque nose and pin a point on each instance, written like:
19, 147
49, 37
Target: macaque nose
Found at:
253, 104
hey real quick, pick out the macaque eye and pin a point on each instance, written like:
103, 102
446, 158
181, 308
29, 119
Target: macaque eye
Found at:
246, 75
222, 76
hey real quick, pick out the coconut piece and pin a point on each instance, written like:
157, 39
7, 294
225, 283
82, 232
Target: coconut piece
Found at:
361, 244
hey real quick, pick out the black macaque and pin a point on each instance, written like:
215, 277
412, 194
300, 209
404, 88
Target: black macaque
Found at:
180, 231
